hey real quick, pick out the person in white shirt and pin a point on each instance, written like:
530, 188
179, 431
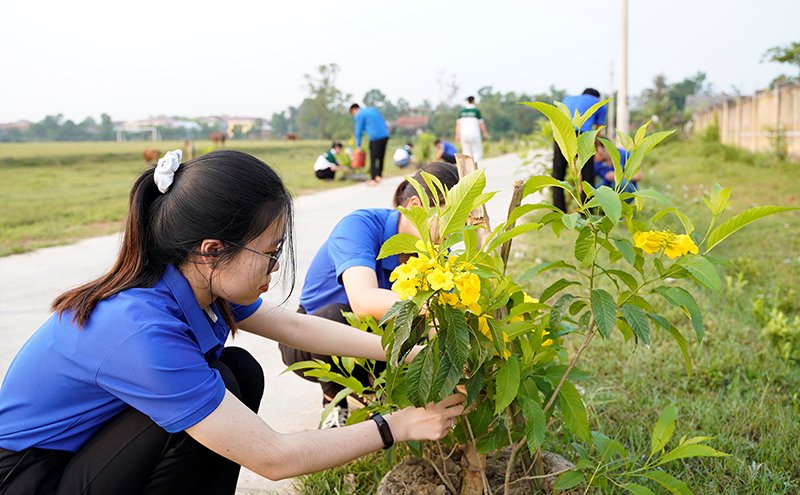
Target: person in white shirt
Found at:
469, 129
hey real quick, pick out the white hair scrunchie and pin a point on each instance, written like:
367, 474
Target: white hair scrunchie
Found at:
165, 170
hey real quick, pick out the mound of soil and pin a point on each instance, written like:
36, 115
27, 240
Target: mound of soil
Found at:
415, 476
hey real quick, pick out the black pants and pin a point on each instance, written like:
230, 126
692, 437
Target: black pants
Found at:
324, 174
560, 172
290, 355
132, 455
377, 152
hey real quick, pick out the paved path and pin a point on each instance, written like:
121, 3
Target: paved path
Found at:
29, 282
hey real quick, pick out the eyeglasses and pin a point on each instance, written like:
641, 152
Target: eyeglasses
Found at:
273, 256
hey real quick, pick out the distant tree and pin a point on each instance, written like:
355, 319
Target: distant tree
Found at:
665, 103
106, 130
323, 114
374, 98
789, 54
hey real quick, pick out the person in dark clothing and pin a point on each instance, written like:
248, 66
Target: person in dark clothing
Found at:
581, 103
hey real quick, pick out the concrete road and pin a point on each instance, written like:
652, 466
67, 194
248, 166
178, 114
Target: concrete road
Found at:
30, 281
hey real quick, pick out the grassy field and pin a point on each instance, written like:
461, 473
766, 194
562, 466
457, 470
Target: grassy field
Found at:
55, 193
740, 392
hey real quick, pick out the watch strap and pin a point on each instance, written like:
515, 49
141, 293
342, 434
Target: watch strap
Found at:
383, 429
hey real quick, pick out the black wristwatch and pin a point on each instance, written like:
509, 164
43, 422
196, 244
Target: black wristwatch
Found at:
383, 428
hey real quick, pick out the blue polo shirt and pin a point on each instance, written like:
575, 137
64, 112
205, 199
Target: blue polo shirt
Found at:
370, 120
603, 168
143, 347
355, 241
583, 103
448, 149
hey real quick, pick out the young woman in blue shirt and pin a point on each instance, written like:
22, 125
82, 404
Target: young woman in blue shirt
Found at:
128, 387
346, 276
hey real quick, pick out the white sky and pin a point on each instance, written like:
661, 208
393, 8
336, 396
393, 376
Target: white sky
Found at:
245, 57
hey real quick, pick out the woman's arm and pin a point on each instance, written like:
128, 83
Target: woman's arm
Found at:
313, 334
235, 432
366, 298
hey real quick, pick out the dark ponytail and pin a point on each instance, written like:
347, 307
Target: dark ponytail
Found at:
225, 195
447, 174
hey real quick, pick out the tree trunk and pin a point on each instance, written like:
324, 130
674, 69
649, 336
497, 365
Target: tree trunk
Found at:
474, 464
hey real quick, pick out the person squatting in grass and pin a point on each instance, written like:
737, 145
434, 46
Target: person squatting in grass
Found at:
445, 151
128, 387
326, 165
346, 276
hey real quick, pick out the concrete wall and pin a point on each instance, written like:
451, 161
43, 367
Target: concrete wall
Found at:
755, 122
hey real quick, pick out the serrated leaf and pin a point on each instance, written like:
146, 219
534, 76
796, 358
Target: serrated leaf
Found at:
447, 376
741, 220
420, 377
506, 384
671, 483
626, 248
557, 313
637, 320
481, 418
535, 425
457, 336
574, 411
584, 245
680, 297
625, 277
606, 446
570, 220
677, 336
402, 330
605, 311
609, 202
568, 480
555, 288
702, 271
663, 429
687, 451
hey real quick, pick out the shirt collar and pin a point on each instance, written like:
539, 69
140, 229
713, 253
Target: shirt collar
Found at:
389, 230
195, 318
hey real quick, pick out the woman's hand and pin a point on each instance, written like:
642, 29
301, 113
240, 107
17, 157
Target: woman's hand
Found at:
432, 422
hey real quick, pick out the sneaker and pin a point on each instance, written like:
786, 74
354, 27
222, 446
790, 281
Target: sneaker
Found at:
336, 418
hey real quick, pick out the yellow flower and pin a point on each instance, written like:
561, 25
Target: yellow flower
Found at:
440, 279
474, 308
406, 289
483, 326
448, 298
421, 263
673, 245
405, 271
528, 298
546, 342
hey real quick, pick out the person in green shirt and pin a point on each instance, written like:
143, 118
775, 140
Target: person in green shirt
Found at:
469, 129
326, 166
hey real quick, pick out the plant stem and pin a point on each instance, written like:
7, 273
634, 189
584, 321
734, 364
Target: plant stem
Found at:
571, 365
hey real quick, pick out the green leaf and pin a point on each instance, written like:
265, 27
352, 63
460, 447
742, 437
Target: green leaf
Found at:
741, 220
586, 146
671, 483
688, 226
641, 149
559, 308
507, 384
640, 133
398, 244
613, 152
651, 194
584, 245
420, 377
539, 182
663, 430
626, 278
522, 210
637, 320
457, 338
461, 201
607, 447
543, 267
350, 382
563, 129
689, 450
481, 418
555, 288
609, 202
605, 311
510, 234
678, 296
402, 329
638, 489
568, 480
570, 220
447, 376
626, 248
701, 270
535, 425
677, 336
574, 411
418, 217
718, 199
592, 110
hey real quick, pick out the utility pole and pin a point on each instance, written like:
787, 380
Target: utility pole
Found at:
623, 118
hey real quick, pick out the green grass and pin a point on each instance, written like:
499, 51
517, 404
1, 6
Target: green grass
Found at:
740, 391
55, 193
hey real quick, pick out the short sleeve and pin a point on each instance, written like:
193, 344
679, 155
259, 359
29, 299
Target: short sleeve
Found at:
355, 241
162, 372
243, 312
